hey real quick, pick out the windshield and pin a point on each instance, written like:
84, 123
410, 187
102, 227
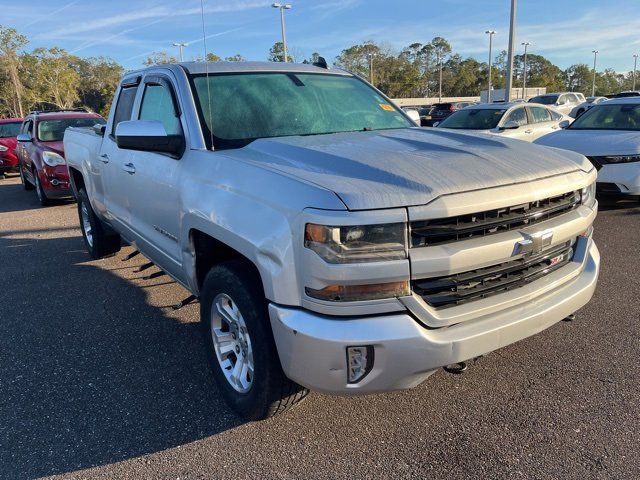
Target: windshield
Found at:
609, 117
248, 106
473, 119
53, 130
9, 129
545, 99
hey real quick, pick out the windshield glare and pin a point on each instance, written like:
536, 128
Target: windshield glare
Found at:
473, 119
245, 107
53, 130
609, 117
545, 99
9, 129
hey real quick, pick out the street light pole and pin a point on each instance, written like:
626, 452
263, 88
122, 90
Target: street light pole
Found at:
524, 71
491, 33
593, 85
371, 68
440, 77
181, 46
282, 7
635, 65
512, 40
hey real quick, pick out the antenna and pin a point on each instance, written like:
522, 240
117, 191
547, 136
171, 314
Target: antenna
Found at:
206, 70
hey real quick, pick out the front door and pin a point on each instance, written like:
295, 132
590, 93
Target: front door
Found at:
155, 194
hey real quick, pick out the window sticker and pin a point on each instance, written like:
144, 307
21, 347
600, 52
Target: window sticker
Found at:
387, 107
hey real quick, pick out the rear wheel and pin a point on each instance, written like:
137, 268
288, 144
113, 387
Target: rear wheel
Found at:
99, 244
240, 346
42, 197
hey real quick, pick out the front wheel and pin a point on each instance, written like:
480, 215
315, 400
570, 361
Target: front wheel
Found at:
99, 244
25, 183
42, 196
240, 346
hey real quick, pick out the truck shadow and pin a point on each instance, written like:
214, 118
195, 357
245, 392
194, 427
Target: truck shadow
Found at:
16, 199
628, 206
90, 372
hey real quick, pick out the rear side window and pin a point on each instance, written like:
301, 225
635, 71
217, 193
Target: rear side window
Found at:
124, 107
555, 115
540, 114
157, 104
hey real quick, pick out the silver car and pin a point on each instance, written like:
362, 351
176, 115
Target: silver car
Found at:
524, 121
564, 102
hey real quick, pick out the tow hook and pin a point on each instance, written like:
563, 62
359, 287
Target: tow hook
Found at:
569, 318
455, 368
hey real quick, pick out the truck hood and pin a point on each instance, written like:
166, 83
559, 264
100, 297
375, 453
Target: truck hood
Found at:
594, 142
407, 167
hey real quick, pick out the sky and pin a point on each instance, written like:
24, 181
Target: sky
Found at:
565, 31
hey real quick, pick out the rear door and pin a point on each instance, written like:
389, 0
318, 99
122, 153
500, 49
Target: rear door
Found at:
155, 199
541, 121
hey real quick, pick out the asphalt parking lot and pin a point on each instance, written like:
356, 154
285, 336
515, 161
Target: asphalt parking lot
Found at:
100, 378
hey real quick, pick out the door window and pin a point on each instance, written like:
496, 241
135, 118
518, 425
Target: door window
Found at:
157, 104
540, 114
124, 107
555, 116
519, 115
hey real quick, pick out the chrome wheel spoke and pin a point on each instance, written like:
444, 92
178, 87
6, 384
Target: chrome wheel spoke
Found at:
232, 343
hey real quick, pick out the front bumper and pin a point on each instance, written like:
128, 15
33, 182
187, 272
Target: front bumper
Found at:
625, 176
55, 181
312, 347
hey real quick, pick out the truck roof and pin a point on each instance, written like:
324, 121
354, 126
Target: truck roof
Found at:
197, 68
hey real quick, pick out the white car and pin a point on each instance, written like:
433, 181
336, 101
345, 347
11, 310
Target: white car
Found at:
609, 136
564, 102
413, 114
583, 107
524, 121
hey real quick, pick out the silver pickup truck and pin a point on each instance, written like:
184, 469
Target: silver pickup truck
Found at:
333, 245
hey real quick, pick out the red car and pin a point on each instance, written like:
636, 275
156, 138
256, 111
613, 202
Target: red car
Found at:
41, 153
9, 128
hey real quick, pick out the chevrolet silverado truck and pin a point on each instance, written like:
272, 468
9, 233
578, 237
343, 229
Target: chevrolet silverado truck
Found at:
332, 244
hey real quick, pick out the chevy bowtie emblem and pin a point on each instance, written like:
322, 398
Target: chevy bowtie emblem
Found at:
533, 243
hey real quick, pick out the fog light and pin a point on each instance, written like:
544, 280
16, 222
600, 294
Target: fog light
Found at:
359, 362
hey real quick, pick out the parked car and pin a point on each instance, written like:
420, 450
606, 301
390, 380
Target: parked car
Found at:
564, 102
524, 121
583, 107
425, 115
441, 111
609, 136
333, 245
9, 128
40, 151
413, 114
626, 93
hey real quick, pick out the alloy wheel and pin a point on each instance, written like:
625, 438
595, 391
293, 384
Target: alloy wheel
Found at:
232, 343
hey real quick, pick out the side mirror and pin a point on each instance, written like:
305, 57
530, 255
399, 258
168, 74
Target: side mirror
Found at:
510, 125
99, 129
564, 123
24, 137
148, 136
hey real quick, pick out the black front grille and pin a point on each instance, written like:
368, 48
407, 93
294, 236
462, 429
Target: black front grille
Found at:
464, 287
597, 162
605, 187
425, 233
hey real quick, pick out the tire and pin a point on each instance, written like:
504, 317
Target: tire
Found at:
42, 196
265, 391
98, 243
25, 183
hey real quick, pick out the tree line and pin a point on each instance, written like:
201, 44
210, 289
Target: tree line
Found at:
52, 78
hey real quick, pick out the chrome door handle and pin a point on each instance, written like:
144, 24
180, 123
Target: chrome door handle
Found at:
129, 168
104, 158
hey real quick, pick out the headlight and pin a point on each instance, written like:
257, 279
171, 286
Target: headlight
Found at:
588, 195
357, 244
3, 148
622, 158
52, 159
